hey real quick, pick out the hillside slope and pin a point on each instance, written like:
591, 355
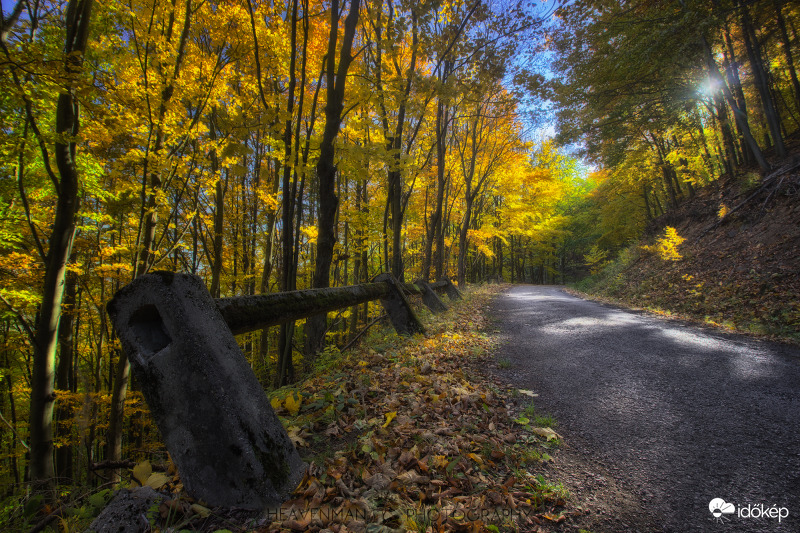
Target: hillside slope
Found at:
741, 270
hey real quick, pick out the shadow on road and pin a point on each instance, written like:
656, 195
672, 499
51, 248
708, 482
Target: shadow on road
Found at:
681, 414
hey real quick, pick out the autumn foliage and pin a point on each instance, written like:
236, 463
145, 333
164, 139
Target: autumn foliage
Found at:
260, 146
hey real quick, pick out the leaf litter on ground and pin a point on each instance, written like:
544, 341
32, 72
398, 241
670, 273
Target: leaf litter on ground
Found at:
409, 434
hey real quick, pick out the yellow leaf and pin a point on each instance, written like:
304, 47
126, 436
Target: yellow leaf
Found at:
440, 461
292, 404
156, 480
554, 518
276, 403
475, 458
296, 436
142, 472
547, 433
389, 417
199, 509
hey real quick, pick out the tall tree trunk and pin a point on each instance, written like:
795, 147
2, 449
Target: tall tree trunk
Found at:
326, 169
762, 81
463, 242
741, 118
219, 212
60, 247
64, 374
787, 51
287, 235
731, 64
395, 177
435, 225
646, 202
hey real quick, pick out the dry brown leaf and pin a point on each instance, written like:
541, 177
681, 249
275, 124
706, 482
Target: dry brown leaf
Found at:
411, 476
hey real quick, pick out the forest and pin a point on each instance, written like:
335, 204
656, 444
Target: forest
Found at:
271, 147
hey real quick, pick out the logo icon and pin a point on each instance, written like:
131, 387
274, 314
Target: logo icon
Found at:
719, 508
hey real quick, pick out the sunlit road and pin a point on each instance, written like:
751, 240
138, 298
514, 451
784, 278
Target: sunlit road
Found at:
677, 414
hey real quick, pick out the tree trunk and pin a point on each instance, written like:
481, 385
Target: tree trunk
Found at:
435, 224
60, 247
219, 214
64, 376
731, 65
326, 169
288, 205
741, 118
761, 81
787, 51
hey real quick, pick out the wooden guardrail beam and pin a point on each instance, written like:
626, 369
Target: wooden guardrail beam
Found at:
251, 313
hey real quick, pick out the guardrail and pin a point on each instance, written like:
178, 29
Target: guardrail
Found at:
215, 419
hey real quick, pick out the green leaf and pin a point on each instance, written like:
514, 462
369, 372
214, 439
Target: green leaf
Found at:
99, 499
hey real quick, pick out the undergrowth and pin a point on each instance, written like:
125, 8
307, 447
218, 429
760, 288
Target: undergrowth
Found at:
748, 301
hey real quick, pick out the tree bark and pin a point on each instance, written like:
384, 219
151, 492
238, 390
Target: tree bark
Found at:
435, 224
741, 118
60, 247
761, 81
219, 213
64, 376
328, 203
787, 51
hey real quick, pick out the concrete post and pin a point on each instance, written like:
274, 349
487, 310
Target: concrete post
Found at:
229, 446
429, 297
452, 292
396, 305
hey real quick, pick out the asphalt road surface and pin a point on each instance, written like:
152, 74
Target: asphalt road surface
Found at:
659, 417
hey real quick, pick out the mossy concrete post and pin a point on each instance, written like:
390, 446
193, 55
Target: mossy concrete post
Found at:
429, 297
452, 292
396, 305
229, 446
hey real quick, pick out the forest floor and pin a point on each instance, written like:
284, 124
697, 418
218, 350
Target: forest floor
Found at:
401, 434
740, 272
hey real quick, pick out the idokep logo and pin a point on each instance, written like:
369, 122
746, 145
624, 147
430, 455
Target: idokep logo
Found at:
719, 508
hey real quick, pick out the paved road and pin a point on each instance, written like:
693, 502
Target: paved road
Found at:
665, 413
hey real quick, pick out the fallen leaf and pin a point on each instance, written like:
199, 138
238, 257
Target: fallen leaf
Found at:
475, 458
547, 433
528, 393
276, 404
406, 457
389, 417
292, 404
142, 471
412, 476
377, 481
200, 510
298, 525
156, 480
498, 454
296, 436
